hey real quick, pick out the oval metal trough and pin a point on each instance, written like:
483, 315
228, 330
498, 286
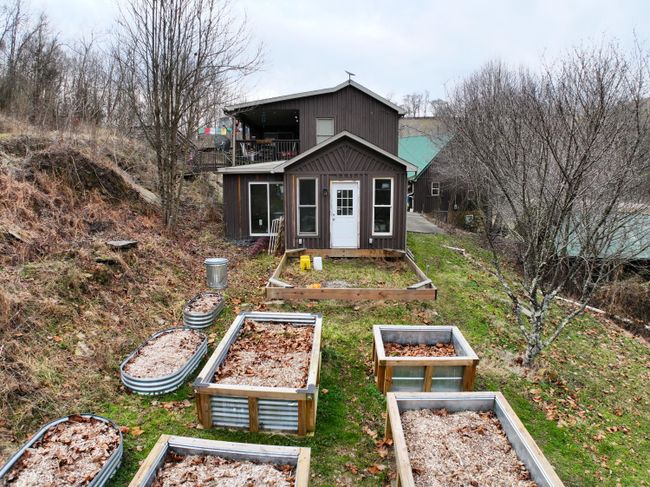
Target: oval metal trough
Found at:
202, 320
102, 477
166, 383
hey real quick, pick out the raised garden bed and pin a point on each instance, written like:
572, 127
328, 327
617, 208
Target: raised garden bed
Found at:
264, 375
351, 275
422, 359
463, 438
175, 459
78, 450
164, 361
203, 309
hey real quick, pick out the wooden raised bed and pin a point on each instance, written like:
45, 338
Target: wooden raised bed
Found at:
423, 290
522, 443
260, 408
423, 373
262, 454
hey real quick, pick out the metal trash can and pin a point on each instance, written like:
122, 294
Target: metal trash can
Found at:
216, 269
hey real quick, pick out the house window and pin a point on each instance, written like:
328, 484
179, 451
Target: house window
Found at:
435, 188
307, 206
324, 129
471, 195
265, 204
382, 206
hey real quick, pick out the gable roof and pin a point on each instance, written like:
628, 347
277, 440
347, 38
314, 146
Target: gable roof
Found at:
238, 106
279, 166
420, 150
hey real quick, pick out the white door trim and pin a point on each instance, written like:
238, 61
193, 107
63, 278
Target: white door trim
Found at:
357, 206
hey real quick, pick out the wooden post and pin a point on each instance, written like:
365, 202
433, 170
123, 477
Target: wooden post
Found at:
203, 410
388, 378
234, 139
469, 374
428, 378
253, 421
302, 417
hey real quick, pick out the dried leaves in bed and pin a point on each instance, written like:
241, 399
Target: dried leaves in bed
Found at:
165, 354
268, 354
419, 350
69, 454
461, 449
212, 471
203, 303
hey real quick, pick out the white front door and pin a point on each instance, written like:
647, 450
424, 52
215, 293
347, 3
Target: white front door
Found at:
344, 214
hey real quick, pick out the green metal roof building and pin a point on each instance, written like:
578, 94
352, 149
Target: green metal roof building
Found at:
419, 150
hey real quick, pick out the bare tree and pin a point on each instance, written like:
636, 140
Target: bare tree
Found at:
177, 58
558, 154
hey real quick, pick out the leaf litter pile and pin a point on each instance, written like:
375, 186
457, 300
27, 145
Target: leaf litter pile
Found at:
212, 471
203, 303
69, 454
165, 354
461, 449
268, 354
419, 350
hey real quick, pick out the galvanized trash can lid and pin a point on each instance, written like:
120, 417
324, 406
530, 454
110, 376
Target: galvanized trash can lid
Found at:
216, 261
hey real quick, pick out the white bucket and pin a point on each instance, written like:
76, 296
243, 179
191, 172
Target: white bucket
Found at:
318, 263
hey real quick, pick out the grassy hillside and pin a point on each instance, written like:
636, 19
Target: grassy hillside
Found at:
68, 321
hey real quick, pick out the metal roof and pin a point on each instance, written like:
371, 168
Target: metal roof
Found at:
279, 166
420, 150
324, 91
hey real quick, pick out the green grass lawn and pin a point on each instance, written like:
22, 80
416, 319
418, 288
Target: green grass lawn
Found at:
587, 405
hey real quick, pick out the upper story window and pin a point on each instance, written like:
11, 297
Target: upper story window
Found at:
435, 188
307, 206
324, 129
382, 203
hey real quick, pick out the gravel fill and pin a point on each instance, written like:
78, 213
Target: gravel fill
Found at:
268, 354
419, 350
69, 454
164, 355
461, 449
212, 471
203, 303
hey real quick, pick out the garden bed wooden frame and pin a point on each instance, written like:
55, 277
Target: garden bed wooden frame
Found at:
266, 408
423, 290
522, 443
300, 457
389, 368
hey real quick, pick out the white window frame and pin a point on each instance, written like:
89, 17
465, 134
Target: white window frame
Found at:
268, 206
437, 190
315, 205
391, 206
325, 136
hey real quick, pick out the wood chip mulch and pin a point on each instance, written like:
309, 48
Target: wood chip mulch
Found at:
164, 355
203, 303
419, 350
461, 449
268, 354
69, 454
212, 471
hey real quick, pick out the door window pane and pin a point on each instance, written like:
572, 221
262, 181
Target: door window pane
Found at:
259, 208
344, 202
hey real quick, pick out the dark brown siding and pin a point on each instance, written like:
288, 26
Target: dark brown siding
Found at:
235, 201
352, 110
346, 160
423, 202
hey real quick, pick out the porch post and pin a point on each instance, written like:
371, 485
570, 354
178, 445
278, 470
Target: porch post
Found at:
234, 139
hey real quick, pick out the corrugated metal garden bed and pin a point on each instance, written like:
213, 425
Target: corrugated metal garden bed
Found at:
423, 373
260, 408
99, 479
527, 451
180, 446
168, 382
203, 318
423, 290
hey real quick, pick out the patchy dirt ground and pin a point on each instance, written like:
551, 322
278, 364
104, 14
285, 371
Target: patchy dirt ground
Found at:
214, 471
268, 354
461, 449
419, 350
70, 454
351, 272
165, 354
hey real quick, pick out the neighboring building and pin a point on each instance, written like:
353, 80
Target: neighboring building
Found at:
330, 168
430, 126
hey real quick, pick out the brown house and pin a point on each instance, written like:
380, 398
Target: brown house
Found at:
331, 169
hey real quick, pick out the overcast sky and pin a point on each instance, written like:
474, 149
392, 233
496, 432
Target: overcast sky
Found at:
395, 47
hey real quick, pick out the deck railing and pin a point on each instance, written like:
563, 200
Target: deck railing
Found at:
266, 150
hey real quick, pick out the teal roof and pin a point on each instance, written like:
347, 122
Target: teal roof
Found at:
419, 150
